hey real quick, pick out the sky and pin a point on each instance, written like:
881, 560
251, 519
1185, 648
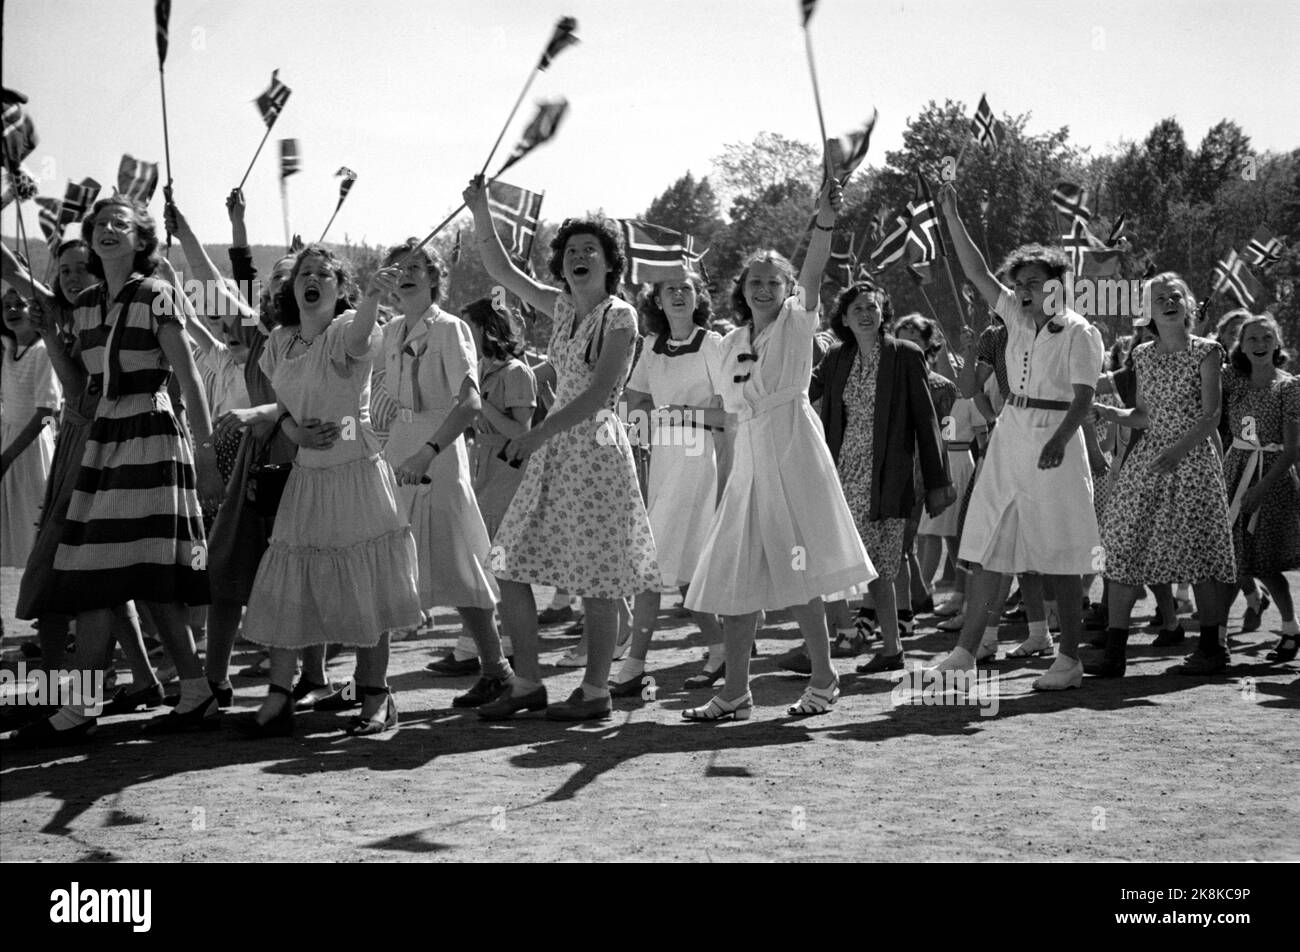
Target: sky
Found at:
412, 94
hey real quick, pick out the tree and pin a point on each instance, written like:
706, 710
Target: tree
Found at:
1220, 158
770, 160
687, 206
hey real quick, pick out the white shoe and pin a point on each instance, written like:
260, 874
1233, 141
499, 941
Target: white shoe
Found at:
959, 659
955, 623
575, 657
954, 605
1064, 673
1033, 647
988, 651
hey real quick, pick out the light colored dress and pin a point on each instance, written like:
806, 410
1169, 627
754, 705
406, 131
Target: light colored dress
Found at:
29, 383
683, 468
425, 368
577, 520
341, 566
783, 533
507, 385
1022, 518
958, 429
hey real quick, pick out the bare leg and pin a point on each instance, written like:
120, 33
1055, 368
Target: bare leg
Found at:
739, 631
125, 630
372, 672
601, 631
1069, 594
172, 619
1281, 591
482, 626
645, 613
884, 592
519, 620
812, 624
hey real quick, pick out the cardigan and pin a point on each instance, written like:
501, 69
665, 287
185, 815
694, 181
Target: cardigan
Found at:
906, 423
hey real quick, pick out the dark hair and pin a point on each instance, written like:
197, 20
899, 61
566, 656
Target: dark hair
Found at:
1052, 260
286, 304
433, 265
1240, 362
147, 258
656, 321
611, 242
851, 294
738, 303
5, 330
72, 244
924, 327
501, 337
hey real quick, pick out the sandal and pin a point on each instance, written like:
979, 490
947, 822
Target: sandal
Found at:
385, 719
1033, 647
719, 710
815, 701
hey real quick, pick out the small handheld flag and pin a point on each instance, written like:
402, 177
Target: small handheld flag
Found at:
924, 239
542, 129
50, 210
77, 200
20, 137
841, 263
1070, 200
985, 127
17, 185
1117, 231
349, 177
655, 253
162, 11
516, 214
1265, 248
846, 153
290, 161
1231, 276
561, 39
807, 7
891, 247
272, 101
1077, 243
137, 179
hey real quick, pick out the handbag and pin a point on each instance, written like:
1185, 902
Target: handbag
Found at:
266, 481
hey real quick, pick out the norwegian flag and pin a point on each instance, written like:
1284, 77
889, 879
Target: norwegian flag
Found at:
349, 177
924, 239
655, 253
516, 213
1070, 200
290, 160
19, 131
162, 11
891, 247
1231, 276
985, 127
49, 217
1265, 248
272, 101
807, 7
847, 152
16, 185
137, 179
920, 273
77, 200
1078, 243
561, 39
540, 130
842, 263
1117, 231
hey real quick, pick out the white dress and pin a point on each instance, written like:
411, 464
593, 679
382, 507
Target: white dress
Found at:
958, 436
1022, 518
683, 467
783, 533
29, 383
423, 371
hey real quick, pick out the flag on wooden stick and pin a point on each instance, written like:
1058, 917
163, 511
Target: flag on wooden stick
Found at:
77, 200
272, 101
540, 130
561, 39
290, 161
137, 179
162, 11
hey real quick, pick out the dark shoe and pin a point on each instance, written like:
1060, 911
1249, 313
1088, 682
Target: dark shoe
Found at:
1167, 639
576, 708
279, 726
42, 734
484, 691
1107, 666
307, 694
629, 688
883, 662
1157, 621
126, 701
205, 717
848, 646
1095, 619
1251, 619
507, 704
924, 608
1285, 650
1098, 640
30, 649
706, 678
385, 719
344, 699
796, 660
225, 696
449, 667
555, 616
1201, 664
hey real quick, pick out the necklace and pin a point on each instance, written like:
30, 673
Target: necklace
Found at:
298, 338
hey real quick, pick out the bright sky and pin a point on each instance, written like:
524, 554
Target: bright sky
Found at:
411, 94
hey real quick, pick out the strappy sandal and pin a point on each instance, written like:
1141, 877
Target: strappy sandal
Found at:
815, 701
719, 710
1033, 647
385, 719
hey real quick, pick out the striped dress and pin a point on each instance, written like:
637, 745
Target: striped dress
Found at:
134, 529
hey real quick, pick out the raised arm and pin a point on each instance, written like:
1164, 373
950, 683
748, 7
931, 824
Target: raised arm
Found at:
972, 261
498, 264
819, 244
217, 297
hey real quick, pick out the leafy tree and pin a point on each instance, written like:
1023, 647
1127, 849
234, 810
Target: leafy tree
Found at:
687, 206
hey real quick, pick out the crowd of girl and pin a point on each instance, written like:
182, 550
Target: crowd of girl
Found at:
326, 464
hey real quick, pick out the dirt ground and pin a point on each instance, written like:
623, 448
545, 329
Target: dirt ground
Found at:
1121, 770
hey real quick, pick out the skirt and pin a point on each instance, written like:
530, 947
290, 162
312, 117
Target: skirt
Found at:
21, 493
948, 523
341, 566
683, 496
1266, 542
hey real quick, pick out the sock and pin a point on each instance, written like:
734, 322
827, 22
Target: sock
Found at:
194, 694
1252, 600
1037, 630
717, 655
1211, 640
990, 635
1051, 615
590, 693
68, 717
1290, 627
631, 668
465, 648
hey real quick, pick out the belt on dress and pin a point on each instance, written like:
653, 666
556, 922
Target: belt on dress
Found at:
1035, 403
1254, 467
770, 402
955, 446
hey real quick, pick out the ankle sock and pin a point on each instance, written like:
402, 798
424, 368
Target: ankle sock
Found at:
1291, 627
194, 694
66, 718
558, 600
631, 668
1212, 640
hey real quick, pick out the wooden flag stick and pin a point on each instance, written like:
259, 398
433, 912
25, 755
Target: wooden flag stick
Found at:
167, 145
930, 305
255, 155
961, 154
502, 134
817, 97
330, 222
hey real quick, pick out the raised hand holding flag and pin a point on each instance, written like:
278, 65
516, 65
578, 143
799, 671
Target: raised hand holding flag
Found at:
345, 186
269, 105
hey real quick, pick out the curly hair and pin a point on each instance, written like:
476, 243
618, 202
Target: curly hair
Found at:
656, 321
500, 329
769, 256
925, 329
286, 304
1240, 362
1052, 260
1167, 277
434, 266
611, 242
851, 294
147, 258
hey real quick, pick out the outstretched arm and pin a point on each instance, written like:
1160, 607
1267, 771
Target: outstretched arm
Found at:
498, 264
972, 261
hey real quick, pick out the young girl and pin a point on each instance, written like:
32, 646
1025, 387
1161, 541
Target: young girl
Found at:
577, 520
341, 566
431, 369
1167, 517
1263, 404
672, 372
31, 399
783, 535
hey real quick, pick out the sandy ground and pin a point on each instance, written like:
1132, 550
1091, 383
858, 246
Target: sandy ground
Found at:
1122, 770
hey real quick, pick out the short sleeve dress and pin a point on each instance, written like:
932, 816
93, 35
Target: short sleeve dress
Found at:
683, 465
425, 364
1172, 527
783, 533
341, 564
507, 385
577, 520
29, 384
1266, 541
